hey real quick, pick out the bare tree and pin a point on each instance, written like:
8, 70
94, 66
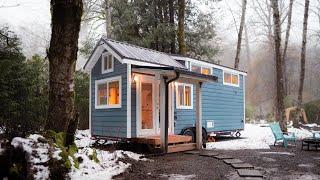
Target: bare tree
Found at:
65, 20
243, 14
181, 34
303, 61
284, 55
280, 114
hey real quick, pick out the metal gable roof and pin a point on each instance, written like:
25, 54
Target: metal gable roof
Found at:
132, 52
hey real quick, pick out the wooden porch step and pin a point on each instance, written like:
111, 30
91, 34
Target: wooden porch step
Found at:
181, 147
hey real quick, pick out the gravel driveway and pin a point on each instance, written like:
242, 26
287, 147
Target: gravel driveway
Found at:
275, 163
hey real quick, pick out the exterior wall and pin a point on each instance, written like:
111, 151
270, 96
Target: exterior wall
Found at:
221, 104
109, 122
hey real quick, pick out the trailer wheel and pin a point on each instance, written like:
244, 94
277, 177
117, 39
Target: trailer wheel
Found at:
189, 132
237, 134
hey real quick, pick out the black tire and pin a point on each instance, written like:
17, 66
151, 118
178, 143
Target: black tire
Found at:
189, 132
204, 138
237, 134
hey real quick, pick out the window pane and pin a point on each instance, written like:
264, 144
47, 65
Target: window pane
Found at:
206, 71
114, 93
235, 79
187, 96
180, 95
196, 69
102, 94
227, 78
146, 106
109, 62
105, 65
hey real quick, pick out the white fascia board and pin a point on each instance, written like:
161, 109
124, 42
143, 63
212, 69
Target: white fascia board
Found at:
113, 53
140, 63
128, 100
94, 58
195, 61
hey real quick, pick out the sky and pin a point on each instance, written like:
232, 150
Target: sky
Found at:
30, 19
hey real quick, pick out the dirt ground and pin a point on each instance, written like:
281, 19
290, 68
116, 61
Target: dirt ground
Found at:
275, 163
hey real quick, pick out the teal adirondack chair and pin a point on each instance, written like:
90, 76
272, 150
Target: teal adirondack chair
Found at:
280, 136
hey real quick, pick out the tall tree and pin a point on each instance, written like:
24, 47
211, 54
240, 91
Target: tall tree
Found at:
303, 60
243, 14
108, 18
284, 55
171, 21
280, 114
62, 54
181, 34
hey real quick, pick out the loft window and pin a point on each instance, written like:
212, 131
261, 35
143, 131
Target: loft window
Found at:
201, 69
108, 93
184, 94
231, 79
107, 63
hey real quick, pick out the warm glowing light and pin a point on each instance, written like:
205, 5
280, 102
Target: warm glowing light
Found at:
134, 78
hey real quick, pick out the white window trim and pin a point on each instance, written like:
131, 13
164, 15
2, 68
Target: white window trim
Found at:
108, 80
104, 71
177, 97
201, 67
230, 84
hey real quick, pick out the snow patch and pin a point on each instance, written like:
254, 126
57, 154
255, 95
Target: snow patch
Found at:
38, 153
178, 176
306, 165
279, 153
255, 136
110, 163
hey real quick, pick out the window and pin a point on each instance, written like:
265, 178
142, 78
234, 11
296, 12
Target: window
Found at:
107, 63
108, 93
201, 69
184, 94
231, 79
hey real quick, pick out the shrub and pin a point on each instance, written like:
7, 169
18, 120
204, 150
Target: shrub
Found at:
312, 110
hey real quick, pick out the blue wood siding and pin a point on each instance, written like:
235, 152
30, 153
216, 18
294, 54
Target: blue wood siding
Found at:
113, 121
221, 104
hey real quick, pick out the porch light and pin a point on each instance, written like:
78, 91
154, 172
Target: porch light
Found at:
134, 78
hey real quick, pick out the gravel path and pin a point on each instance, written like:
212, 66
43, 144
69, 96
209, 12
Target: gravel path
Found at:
275, 163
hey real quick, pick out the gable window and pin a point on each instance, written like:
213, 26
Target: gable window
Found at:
108, 93
231, 79
184, 93
107, 63
201, 69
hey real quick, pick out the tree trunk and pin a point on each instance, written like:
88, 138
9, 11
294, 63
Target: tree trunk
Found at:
280, 112
66, 18
247, 46
303, 61
284, 56
173, 33
181, 35
237, 59
108, 18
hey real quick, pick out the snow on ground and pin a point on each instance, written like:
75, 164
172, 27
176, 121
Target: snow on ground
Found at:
178, 176
38, 153
109, 165
278, 153
254, 136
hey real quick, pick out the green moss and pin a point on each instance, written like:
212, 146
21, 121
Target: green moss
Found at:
59, 140
94, 156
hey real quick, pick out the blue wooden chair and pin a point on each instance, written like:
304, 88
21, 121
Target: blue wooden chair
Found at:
280, 136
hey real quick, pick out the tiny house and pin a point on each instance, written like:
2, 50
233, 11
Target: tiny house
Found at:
130, 86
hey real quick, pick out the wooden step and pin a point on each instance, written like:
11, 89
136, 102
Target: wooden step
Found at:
181, 147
